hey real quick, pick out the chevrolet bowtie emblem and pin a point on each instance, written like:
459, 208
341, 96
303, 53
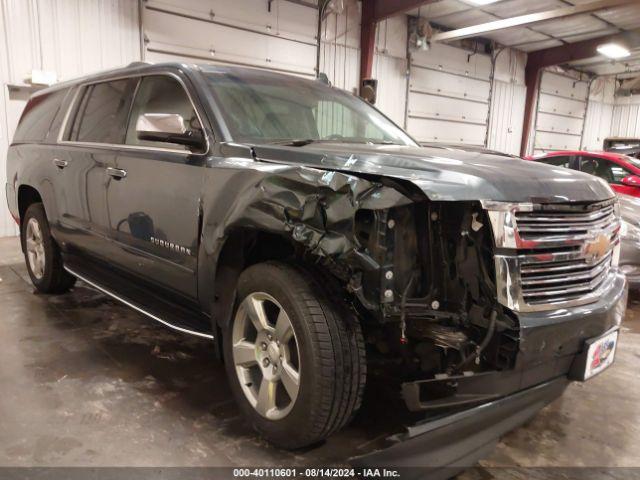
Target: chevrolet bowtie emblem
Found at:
596, 248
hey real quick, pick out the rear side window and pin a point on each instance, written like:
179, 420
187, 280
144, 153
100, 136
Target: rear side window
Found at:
102, 112
38, 115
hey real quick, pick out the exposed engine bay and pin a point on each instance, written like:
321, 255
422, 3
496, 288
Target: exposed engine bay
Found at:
437, 315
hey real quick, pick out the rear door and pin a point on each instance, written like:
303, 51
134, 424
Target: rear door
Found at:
93, 133
154, 207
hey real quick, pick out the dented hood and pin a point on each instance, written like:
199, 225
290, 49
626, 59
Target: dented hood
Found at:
444, 173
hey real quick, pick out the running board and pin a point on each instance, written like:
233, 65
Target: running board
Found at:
173, 324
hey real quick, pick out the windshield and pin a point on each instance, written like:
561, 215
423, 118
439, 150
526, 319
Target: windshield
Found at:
633, 161
267, 108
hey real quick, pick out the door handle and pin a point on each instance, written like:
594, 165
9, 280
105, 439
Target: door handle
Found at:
116, 173
60, 163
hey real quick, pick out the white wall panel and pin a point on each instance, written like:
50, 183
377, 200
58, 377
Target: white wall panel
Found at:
507, 102
546, 141
598, 125
561, 109
507, 111
284, 19
626, 120
626, 117
440, 82
428, 130
236, 32
449, 92
70, 37
391, 73
599, 118
340, 51
340, 58
438, 107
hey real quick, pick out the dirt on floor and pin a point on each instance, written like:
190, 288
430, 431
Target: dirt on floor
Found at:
85, 381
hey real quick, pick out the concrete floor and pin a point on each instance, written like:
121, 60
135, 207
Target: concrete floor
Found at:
85, 381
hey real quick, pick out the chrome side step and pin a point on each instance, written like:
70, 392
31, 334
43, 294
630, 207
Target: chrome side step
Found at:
136, 307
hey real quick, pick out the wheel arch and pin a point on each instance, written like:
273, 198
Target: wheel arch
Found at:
242, 248
27, 196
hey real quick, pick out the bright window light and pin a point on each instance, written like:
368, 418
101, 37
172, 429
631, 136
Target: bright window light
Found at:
481, 2
613, 50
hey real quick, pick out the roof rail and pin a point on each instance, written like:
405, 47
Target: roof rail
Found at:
139, 64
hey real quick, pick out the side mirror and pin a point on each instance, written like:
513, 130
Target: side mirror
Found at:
631, 181
168, 128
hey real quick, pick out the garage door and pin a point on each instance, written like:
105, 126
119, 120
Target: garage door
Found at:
561, 109
449, 96
276, 35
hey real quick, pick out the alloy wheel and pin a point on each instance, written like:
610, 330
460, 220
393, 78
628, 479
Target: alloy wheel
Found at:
266, 356
35, 248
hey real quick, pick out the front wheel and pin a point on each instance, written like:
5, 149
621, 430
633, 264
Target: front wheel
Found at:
294, 357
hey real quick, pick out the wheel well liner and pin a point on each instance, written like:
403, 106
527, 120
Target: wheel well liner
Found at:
27, 195
243, 247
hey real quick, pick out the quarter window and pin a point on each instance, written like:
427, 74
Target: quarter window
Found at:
38, 115
161, 94
102, 113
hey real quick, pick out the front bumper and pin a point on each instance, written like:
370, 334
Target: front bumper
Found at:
443, 447
548, 345
551, 344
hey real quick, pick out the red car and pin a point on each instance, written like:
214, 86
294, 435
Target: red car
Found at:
620, 171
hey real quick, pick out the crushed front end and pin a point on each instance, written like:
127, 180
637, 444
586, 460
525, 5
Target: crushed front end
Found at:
502, 296
495, 317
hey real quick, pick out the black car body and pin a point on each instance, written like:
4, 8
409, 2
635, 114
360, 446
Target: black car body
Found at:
474, 278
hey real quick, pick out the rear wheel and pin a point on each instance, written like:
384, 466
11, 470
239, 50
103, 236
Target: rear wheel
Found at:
295, 359
42, 255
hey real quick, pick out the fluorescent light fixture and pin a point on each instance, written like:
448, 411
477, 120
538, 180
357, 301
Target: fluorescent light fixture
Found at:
613, 50
481, 2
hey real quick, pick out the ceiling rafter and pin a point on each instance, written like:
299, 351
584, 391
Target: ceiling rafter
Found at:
528, 19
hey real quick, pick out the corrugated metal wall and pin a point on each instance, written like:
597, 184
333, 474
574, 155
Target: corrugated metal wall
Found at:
340, 48
70, 37
626, 117
340, 58
598, 122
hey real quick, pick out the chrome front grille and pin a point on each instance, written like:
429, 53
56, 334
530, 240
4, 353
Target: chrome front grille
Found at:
556, 255
538, 225
561, 281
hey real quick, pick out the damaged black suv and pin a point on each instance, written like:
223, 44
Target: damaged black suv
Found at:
309, 237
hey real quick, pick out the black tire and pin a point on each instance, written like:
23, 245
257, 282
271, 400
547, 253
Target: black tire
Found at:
53, 278
331, 352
